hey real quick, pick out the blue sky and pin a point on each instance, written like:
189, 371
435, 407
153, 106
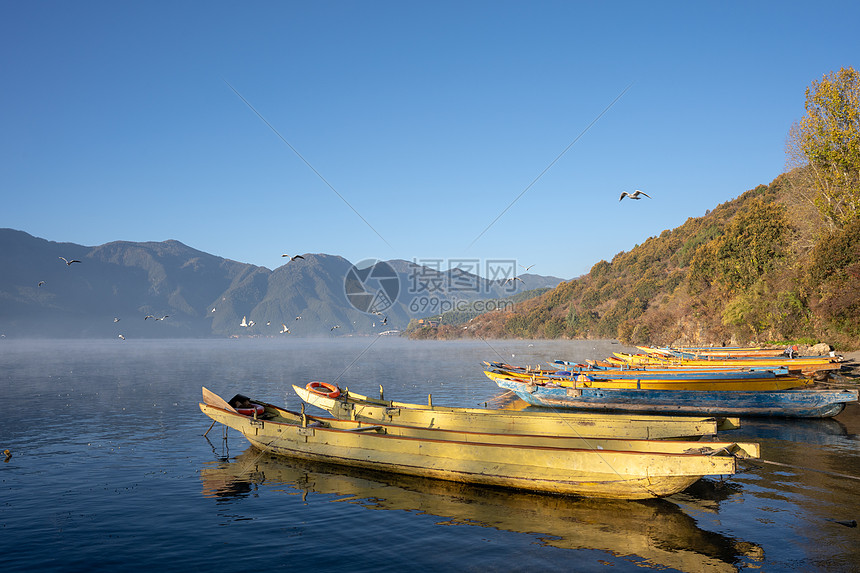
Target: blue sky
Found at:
428, 118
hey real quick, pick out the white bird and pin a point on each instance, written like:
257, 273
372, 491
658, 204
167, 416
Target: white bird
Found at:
514, 279
244, 322
528, 267
148, 316
298, 318
634, 195
268, 323
294, 258
41, 283
68, 262
162, 318
115, 319
333, 327
284, 329
122, 337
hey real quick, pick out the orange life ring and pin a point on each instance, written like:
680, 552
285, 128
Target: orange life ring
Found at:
323, 389
250, 411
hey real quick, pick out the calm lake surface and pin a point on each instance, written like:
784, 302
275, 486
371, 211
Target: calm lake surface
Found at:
110, 471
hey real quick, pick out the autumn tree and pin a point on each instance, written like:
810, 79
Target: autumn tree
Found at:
827, 142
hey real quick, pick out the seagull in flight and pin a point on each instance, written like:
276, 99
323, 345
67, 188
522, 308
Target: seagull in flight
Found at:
294, 257
155, 317
528, 267
298, 318
514, 280
385, 320
121, 337
41, 283
116, 319
333, 327
284, 329
68, 262
634, 195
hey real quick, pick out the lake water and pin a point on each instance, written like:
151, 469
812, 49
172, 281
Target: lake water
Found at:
110, 471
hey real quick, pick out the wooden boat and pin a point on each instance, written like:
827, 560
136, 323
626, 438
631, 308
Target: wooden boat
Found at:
348, 405
807, 365
595, 467
710, 381
606, 370
692, 379
623, 366
803, 403
717, 351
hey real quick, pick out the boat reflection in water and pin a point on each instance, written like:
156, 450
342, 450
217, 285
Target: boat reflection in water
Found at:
654, 531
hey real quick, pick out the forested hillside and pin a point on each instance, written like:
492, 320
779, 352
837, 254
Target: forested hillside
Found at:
779, 263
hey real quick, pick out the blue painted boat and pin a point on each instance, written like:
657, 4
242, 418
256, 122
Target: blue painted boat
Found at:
803, 403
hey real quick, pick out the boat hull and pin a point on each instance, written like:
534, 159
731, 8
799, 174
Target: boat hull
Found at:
807, 403
652, 381
351, 406
652, 470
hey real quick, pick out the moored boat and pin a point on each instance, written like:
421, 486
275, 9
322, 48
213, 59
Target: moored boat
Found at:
801, 403
647, 381
807, 365
662, 380
629, 469
346, 404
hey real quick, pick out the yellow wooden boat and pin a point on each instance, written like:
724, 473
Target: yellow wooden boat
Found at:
595, 467
348, 405
807, 365
716, 351
642, 382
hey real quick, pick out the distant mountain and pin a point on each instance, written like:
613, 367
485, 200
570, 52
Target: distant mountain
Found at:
118, 284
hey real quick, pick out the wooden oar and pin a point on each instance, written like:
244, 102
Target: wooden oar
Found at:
213, 399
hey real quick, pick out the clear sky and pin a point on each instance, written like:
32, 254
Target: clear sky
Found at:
428, 118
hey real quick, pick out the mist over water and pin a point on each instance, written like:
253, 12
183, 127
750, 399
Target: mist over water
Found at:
110, 470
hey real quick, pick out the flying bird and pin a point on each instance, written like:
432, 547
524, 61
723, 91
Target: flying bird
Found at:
121, 336
115, 319
244, 322
514, 280
155, 317
294, 257
284, 329
68, 262
385, 320
163, 317
333, 327
41, 283
298, 318
148, 316
634, 195
528, 267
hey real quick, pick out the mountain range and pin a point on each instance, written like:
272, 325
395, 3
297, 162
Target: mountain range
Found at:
189, 293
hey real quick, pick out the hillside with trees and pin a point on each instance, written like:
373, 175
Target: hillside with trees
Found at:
779, 263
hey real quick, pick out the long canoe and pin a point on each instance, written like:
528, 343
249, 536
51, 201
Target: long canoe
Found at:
805, 403
727, 352
660, 381
349, 405
805, 365
626, 469
614, 364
